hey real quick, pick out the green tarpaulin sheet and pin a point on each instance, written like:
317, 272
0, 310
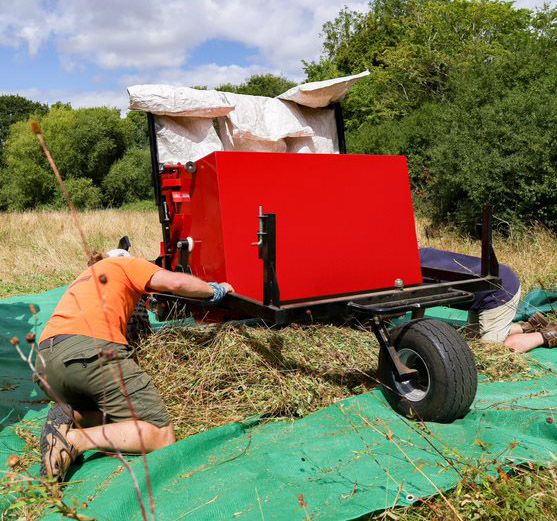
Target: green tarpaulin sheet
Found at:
341, 463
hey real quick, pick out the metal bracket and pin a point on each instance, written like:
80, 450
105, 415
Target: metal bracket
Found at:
184, 247
124, 243
267, 244
490, 265
402, 372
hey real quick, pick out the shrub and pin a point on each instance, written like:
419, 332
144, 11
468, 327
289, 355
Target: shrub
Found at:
129, 179
502, 153
84, 143
83, 193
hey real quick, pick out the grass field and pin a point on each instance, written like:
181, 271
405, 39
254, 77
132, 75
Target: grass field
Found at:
315, 366
41, 250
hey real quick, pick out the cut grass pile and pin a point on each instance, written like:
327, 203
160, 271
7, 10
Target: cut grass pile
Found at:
216, 375
210, 376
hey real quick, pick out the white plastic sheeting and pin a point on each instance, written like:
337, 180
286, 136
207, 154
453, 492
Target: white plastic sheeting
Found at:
183, 139
296, 121
321, 93
165, 100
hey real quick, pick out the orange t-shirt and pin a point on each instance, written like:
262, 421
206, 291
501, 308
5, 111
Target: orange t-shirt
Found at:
81, 311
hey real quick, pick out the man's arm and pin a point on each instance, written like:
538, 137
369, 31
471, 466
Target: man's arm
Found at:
183, 284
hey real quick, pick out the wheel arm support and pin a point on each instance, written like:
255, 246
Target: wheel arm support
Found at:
401, 371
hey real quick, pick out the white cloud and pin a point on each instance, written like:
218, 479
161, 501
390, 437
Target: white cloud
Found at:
22, 23
210, 75
152, 39
78, 99
534, 4
147, 34
152, 34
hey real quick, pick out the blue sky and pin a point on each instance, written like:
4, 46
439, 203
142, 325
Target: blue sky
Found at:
88, 51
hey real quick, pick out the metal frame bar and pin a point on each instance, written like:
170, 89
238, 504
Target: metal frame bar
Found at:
490, 266
426, 295
339, 120
155, 169
268, 253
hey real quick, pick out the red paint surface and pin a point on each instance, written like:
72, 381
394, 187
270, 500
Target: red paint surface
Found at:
345, 223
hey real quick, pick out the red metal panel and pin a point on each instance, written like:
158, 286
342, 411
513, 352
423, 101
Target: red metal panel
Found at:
345, 223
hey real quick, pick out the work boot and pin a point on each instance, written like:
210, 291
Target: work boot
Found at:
535, 323
56, 451
549, 335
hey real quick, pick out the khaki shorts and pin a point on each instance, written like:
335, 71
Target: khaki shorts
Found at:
76, 376
494, 325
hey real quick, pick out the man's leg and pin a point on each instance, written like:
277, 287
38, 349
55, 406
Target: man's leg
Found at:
114, 386
123, 436
496, 323
523, 342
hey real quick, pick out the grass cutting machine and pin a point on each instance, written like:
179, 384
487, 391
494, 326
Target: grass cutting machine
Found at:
320, 236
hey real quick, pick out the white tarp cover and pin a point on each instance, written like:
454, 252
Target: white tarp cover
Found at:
184, 119
181, 139
165, 100
321, 93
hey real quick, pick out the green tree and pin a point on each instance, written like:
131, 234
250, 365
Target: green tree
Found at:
98, 138
129, 179
465, 90
84, 143
268, 85
411, 48
83, 193
14, 108
136, 132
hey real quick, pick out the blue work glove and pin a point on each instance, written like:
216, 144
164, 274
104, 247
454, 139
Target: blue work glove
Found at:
220, 292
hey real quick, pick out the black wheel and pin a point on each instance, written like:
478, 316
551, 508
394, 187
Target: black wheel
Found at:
447, 378
138, 325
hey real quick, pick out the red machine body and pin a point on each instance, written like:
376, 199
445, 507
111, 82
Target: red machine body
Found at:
344, 223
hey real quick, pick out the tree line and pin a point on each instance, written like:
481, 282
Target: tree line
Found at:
464, 88
104, 159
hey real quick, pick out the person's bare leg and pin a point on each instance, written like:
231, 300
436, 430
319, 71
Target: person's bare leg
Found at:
123, 436
516, 329
522, 342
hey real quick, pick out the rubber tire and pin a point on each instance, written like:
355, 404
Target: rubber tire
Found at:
138, 325
453, 378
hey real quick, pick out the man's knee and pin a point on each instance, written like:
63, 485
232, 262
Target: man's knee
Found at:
165, 436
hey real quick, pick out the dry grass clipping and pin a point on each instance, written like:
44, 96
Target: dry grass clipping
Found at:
40, 250
211, 376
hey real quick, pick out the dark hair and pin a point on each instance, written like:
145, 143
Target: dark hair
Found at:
95, 257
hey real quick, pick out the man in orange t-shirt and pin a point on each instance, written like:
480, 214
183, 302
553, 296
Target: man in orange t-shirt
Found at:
88, 368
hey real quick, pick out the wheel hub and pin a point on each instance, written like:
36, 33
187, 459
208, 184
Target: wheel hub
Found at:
416, 388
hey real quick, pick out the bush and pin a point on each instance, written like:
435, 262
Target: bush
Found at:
129, 179
492, 143
83, 193
84, 143
501, 152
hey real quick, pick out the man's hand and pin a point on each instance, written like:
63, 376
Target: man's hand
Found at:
219, 291
228, 287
